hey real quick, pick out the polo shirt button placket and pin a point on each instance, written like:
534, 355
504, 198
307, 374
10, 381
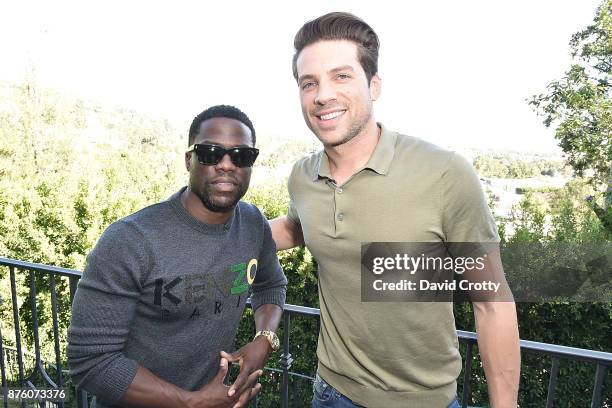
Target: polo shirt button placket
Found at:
340, 217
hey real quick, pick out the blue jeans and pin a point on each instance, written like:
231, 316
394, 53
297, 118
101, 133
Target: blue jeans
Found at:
326, 396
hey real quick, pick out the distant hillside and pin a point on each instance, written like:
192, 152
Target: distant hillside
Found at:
514, 165
47, 111
38, 117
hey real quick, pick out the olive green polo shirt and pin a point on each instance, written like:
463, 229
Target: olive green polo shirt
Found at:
387, 354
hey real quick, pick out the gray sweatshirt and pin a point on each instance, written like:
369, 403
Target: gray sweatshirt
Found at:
165, 291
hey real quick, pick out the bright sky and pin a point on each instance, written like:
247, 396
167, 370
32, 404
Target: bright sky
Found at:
454, 72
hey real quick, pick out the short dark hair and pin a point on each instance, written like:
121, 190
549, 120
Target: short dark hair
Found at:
219, 111
340, 26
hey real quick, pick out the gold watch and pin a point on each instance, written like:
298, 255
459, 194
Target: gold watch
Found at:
271, 337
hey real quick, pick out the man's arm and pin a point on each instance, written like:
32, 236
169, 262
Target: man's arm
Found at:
287, 229
498, 335
286, 233
148, 390
467, 219
498, 343
267, 317
269, 291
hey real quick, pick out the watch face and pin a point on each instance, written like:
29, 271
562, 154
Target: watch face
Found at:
275, 343
271, 337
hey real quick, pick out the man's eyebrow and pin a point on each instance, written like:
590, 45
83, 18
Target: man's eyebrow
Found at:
303, 77
341, 68
205, 141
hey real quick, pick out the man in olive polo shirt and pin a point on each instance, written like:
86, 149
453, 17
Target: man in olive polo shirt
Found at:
371, 184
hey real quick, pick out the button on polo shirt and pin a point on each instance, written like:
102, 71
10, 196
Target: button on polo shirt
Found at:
387, 354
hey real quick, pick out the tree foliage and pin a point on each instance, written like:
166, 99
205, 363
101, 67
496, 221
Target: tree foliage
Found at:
578, 105
69, 168
513, 166
560, 216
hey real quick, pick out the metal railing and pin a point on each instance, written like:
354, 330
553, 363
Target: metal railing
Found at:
40, 369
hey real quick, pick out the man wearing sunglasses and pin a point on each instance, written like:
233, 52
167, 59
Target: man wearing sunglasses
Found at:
164, 289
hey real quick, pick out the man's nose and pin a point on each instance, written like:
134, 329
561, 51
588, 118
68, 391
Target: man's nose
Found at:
225, 163
325, 93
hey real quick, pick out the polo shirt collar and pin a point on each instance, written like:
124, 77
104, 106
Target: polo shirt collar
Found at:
380, 161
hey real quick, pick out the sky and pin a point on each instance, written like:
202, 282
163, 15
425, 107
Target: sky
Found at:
454, 73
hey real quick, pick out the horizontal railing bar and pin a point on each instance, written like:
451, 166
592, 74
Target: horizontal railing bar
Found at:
40, 267
291, 373
466, 336
553, 350
303, 310
280, 370
592, 356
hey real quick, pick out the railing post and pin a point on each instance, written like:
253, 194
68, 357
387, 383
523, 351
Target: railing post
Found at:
467, 374
600, 375
73, 287
81, 397
56, 344
16, 323
552, 383
34, 310
2, 368
286, 360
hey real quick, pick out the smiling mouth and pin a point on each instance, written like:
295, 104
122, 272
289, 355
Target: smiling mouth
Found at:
331, 115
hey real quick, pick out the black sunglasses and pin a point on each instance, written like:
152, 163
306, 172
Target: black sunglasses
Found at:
210, 155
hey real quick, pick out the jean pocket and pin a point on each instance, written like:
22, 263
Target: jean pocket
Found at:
323, 392
454, 404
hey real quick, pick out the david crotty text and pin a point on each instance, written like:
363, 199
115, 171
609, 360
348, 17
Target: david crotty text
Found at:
424, 284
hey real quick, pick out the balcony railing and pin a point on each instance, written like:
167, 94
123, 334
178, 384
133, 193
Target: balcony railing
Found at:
27, 369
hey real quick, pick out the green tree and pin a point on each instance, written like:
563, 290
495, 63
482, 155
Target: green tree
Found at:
67, 170
578, 105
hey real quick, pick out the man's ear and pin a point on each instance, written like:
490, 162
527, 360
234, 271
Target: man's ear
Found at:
375, 84
188, 156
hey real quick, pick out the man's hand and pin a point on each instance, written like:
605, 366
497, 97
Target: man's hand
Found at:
215, 393
147, 390
251, 357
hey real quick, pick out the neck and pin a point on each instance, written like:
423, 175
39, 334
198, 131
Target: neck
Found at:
192, 203
346, 159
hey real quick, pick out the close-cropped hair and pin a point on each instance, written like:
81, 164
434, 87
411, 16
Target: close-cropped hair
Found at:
340, 26
219, 111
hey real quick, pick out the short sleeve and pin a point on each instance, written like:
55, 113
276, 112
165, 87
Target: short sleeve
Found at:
466, 216
270, 284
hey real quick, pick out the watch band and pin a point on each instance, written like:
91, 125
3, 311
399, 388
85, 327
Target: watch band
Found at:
271, 337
